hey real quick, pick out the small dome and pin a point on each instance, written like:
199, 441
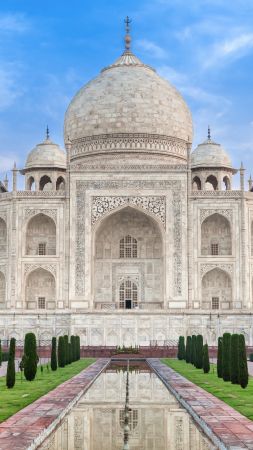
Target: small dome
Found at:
46, 155
210, 154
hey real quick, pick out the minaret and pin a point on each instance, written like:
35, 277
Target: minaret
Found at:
250, 181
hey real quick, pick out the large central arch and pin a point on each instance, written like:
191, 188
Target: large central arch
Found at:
128, 251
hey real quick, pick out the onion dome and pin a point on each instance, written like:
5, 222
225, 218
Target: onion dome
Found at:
210, 154
46, 155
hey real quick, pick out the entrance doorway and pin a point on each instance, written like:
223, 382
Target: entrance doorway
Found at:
128, 295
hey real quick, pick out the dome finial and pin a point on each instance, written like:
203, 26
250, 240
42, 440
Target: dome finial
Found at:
127, 36
209, 133
47, 133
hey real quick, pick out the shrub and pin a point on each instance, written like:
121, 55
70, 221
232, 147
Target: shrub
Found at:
31, 357
11, 375
188, 349
199, 352
251, 357
234, 362
205, 360
53, 355
219, 358
193, 353
242, 362
78, 347
73, 348
226, 356
61, 352
181, 348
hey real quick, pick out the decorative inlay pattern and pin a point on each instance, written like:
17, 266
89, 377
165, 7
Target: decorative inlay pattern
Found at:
3, 215
175, 207
216, 194
48, 212
204, 268
204, 213
117, 165
31, 267
153, 204
120, 142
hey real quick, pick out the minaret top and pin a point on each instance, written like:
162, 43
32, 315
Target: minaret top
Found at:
127, 36
209, 133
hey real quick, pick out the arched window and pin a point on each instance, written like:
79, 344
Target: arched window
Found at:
128, 247
216, 290
211, 183
60, 184
132, 418
40, 290
196, 184
41, 236
46, 183
216, 236
128, 295
227, 183
31, 184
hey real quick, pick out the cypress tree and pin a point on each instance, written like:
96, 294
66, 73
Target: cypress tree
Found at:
53, 355
78, 347
66, 343
181, 348
10, 375
243, 367
219, 358
188, 349
73, 348
234, 362
205, 362
193, 353
1, 353
61, 352
70, 352
199, 352
31, 357
226, 356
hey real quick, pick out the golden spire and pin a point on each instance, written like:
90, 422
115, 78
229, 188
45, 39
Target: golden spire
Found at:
127, 36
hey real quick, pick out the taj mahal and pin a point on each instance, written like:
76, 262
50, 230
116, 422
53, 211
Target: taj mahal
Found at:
127, 236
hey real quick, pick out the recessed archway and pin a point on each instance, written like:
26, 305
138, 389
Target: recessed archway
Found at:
140, 261
216, 236
60, 184
40, 290
41, 236
196, 184
211, 183
216, 290
46, 183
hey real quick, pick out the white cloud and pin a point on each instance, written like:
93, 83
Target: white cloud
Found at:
13, 23
150, 47
10, 89
229, 50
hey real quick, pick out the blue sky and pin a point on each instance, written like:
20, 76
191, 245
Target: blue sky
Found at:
48, 50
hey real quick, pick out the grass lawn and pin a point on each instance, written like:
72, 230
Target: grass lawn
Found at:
26, 392
240, 399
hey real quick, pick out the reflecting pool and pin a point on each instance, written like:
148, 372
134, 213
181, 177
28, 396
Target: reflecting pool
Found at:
155, 420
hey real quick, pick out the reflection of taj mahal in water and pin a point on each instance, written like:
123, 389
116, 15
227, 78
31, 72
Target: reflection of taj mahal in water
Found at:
156, 421
127, 237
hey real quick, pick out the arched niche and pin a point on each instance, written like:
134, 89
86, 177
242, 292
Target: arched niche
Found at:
211, 183
3, 238
41, 236
216, 290
226, 183
143, 265
2, 291
45, 183
40, 290
196, 184
31, 184
60, 184
216, 236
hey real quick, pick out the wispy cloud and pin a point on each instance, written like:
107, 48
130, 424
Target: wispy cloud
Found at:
229, 50
13, 23
10, 88
150, 47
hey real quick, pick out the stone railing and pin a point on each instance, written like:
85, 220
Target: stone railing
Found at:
216, 194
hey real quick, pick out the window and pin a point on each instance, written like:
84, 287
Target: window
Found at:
128, 295
215, 303
128, 247
214, 249
41, 302
133, 418
42, 248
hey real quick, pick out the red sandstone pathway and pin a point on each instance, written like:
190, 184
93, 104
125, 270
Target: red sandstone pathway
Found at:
233, 429
19, 431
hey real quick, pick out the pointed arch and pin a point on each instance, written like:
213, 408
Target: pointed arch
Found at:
41, 235
216, 238
196, 184
216, 290
40, 290
31, 183
211, 183
60, 184
45, 183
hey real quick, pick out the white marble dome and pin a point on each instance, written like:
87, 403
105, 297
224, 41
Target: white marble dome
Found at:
210, 154
128, 97
46, 155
